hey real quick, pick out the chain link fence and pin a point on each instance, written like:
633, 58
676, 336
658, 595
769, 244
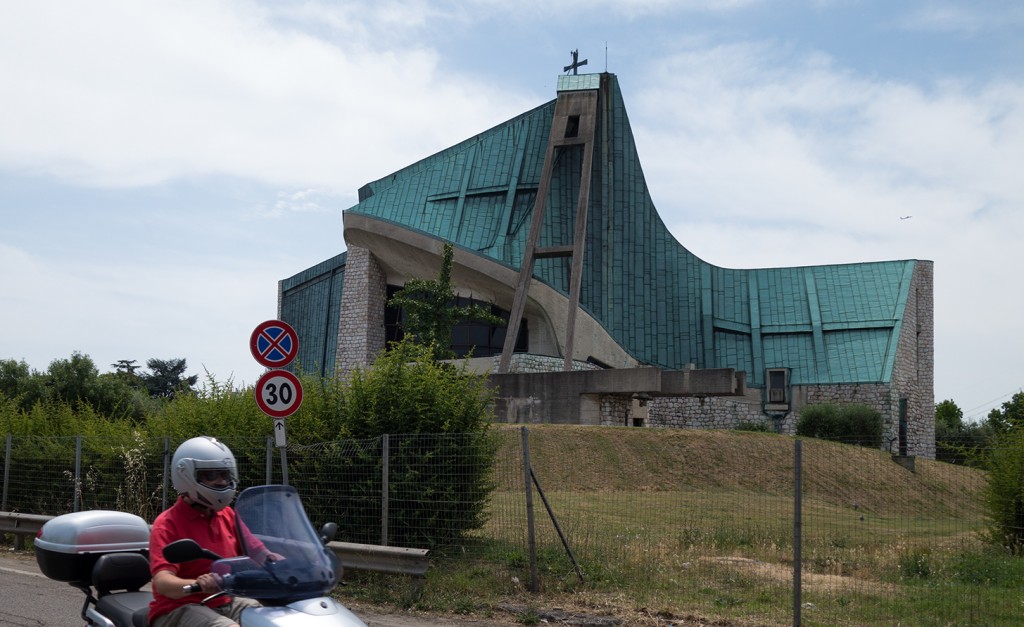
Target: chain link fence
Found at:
800, 532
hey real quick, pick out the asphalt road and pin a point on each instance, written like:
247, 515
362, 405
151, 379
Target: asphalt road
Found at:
29, 599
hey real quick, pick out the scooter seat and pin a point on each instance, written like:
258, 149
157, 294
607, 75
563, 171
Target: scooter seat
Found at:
128, 572
126, 608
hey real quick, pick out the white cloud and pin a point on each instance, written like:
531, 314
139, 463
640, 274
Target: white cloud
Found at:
137, 311
732, 136
631, 9
970, 19
114, 94
757, 158
758, 153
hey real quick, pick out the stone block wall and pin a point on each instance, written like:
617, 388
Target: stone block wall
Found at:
361, 320
913, 376
722, 412
527, 363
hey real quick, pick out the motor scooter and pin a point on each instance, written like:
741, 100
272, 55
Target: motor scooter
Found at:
105, 554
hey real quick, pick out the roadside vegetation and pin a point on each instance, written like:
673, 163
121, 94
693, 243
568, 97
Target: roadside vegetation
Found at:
667, 526
674, 526
658, 526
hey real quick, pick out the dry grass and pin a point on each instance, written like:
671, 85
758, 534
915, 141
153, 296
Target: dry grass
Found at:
681, 525
619, 459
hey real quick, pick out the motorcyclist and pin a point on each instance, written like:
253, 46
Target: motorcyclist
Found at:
204, 474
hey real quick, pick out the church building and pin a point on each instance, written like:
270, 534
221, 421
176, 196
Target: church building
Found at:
611, 320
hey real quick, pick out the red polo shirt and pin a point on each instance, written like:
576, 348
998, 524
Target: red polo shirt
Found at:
181, 520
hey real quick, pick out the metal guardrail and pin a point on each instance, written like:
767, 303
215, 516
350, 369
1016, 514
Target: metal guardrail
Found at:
371, 557
394, 560
21, 525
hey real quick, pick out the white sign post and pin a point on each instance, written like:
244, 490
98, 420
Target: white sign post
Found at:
279, 436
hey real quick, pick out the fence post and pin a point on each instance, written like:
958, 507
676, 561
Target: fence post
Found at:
7, 471
385, 462
531, 540
797, 526
167, 475
284, 465
268, 465
78, 473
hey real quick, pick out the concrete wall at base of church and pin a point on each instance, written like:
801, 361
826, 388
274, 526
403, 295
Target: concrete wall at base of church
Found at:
709, 412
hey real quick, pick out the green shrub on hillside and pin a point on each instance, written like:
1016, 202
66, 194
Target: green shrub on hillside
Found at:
408, 395
1005, 495
850, 424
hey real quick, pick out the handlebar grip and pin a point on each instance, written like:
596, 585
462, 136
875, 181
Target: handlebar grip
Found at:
192, 588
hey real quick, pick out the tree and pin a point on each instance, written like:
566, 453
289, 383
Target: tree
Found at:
20, 384
957, 442
126, 371
1005, 494
1010, 417
126, 366
73, 381
77, 383
166, 378
430, 313
438, 418
949, 426
1005, 465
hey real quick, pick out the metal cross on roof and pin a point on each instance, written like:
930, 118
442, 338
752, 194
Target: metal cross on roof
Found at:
576, 63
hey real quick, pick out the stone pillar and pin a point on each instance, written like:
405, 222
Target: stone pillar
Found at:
921, 417
361, 319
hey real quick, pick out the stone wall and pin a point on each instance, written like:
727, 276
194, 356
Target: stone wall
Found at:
361, 320
721, 412
913, 376
527, 363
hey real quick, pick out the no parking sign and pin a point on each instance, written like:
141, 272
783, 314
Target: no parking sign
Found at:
274, 343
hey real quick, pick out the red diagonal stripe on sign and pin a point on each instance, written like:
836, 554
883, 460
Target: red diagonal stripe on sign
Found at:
274, 343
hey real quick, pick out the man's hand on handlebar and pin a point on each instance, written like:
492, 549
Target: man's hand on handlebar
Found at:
207, 582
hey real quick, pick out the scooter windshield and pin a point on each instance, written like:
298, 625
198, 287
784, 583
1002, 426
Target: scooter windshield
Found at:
284, 559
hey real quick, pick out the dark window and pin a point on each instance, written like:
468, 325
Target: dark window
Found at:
778, 383
480, 338
572, 126
392, 319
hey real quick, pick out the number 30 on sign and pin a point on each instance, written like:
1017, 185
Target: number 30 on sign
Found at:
278, 393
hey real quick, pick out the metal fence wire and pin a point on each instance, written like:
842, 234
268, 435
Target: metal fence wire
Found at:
656, 512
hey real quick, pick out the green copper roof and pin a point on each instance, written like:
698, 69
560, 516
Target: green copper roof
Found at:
311, 303
829, 324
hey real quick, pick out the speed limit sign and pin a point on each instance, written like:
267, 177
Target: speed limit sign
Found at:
278, 393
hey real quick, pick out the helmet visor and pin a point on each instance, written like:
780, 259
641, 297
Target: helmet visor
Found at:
213, 477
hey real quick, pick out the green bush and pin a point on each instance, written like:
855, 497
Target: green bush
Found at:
440, 485
850, 424
1005, 495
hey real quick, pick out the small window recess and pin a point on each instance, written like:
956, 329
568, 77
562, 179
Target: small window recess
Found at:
639, 409
777, 388
572, 126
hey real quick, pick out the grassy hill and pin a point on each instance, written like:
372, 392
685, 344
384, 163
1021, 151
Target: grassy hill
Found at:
569, 458
674, 526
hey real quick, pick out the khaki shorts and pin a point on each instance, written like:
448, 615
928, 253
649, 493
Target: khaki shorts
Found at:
196, 615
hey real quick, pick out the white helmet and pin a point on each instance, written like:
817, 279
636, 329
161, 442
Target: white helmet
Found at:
198, 454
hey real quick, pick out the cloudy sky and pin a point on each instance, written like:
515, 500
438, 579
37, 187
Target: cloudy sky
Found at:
164, 164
